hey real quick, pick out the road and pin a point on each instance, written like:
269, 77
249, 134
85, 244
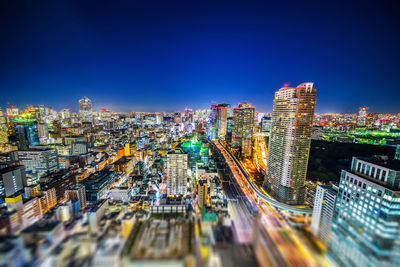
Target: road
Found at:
261, 153
240, 212
284, 245
259, 192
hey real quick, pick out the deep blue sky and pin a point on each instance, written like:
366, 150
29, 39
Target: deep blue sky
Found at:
165, 55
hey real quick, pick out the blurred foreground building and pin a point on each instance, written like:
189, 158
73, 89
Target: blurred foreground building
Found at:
324, 206
365, 230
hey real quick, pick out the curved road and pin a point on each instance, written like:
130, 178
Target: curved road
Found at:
263, 196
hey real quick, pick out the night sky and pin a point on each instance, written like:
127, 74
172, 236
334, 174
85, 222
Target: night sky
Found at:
166, 55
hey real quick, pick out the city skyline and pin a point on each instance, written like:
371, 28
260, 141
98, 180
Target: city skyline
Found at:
74, 108
199, 133
142, 57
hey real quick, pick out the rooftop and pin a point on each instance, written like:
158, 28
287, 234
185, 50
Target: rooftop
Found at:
10, 168
392, 164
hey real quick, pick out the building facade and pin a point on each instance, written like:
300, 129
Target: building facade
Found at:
365, 229
3, 131
243, 124
12, 180
362, 117
289, 142
324, 206
85, 109
221, 120
177, 164
39, 160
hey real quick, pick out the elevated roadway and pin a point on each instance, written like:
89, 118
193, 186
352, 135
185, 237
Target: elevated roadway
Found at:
258, 192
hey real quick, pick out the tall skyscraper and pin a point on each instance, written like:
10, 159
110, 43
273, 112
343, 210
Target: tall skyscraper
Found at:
365, 229
324, 206
85, 108
3, 131
289, 142
177, 164
243, 124
220, 120
362, 116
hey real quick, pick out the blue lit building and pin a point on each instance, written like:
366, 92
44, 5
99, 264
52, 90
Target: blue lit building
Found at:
366, 224
96, 185
27, 135
397, 156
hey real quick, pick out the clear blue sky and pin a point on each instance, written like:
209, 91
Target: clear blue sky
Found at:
165, 55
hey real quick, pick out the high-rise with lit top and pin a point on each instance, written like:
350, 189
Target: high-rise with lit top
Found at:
362, 116
289, 142
85, 108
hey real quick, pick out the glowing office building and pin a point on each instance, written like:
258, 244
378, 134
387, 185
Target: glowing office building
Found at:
289, 142
242, 131
365, 228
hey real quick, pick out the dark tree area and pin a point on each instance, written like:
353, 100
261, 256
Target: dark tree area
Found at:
327, 159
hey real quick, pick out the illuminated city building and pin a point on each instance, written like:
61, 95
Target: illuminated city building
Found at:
79, 148
39, 111
362, 116
27, 135
202, 192
397, 155
12, 180
324, 207
140, 118
96, 185
177, 164
65, 113
12, 111
57, 129
289, 142
365, 229
229, 128
85, 109
189, 114
242, 131
159, 118
43, 130
221, 120
40, 160
266, 124
77, 193
3, 131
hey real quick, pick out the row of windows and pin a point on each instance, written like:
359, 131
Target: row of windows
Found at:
376, 173
361, 184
